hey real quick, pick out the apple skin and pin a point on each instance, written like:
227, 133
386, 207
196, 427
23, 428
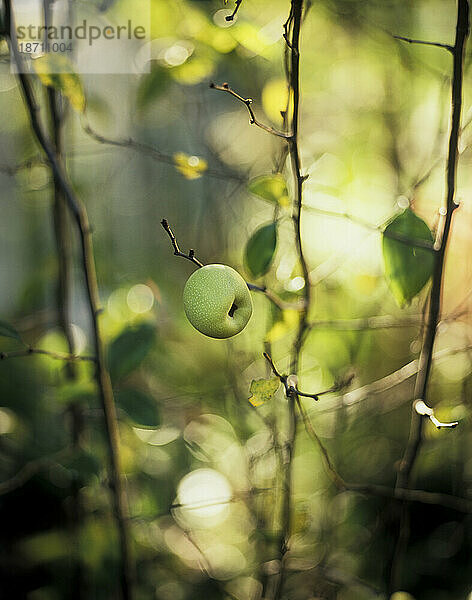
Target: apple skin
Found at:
209, 295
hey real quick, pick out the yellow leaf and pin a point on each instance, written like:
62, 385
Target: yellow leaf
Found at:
262, 390
191, 167
55, 70
272, 188
274, 99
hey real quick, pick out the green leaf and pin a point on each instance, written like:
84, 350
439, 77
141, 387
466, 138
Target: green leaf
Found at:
128, 350
140, 408
262, 390
407, 268
151, 86
270, 187
7, 330
56, 70
260, 249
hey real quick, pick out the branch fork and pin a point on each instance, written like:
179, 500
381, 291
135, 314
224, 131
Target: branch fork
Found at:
177, 251
290, 383
225, 87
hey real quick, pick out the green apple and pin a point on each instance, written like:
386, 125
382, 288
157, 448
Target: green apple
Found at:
217, 301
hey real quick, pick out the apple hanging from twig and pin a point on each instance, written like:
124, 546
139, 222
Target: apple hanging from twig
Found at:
217, 301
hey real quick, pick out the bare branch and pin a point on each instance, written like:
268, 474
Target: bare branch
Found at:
255, 288
421, 496
22, 166
340, 384
425, 361
425, 43
292, 29
334, 475
55, 355
463, 505
102, 377
153, 153
219, 501
237, 4
415, 243
390, 381
191, 253
283, 378
287, 29
365, 323
291, 389
252, 117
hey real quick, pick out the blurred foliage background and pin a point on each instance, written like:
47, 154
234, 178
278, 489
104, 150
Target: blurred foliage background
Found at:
198, 458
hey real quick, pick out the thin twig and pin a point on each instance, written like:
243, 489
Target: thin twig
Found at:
255, 288
411, 495
416, 427
287, 382
282, 304
191, 253
102, 376
292, 391
252, 117
424, 43
404, 239
22, 166
67, 357
58, 108
286, 35
237, 4
463, 505
421, 496
390, 381
366, 323
339, 385
219, 501
153, 153
379, 322
205, 564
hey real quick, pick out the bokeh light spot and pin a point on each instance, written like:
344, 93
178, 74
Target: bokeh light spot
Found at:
7, 421
205, 491
140, 298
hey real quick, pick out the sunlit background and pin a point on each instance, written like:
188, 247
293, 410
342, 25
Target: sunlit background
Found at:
198, 457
